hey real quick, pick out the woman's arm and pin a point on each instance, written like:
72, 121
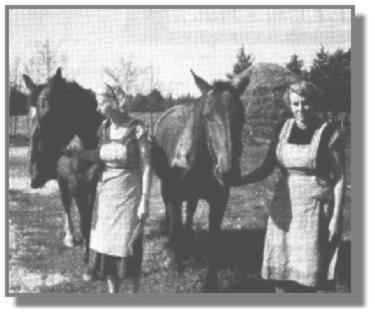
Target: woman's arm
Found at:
88, 155
336, 155
145, 157
265, 169
108, 152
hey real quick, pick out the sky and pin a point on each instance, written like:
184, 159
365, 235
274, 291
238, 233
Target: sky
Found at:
173, 41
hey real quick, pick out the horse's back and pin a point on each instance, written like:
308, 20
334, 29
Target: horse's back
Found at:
170, 126
169, 131
171, 122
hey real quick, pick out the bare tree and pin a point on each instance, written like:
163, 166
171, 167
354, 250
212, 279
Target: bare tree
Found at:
125, 75
154, 85
124, 82
40, 67
14, 73
44, 64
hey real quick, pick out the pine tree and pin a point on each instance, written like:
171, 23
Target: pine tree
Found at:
331, 73
244, 61
295, 65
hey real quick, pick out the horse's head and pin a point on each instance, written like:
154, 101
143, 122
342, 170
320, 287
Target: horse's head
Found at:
62, 109
42, 162
223, 115
48, 131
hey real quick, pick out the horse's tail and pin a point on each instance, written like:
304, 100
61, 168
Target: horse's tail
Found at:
159, 160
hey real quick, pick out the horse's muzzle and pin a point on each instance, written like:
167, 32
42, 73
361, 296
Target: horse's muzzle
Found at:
37, 183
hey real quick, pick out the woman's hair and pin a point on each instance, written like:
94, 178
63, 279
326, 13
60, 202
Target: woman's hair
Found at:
303, 88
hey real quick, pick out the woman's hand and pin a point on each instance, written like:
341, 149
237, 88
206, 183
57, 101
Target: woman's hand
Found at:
145, 157
88, 155
262, 171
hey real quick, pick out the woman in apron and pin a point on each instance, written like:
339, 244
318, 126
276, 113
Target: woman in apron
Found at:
122, 202
305, 221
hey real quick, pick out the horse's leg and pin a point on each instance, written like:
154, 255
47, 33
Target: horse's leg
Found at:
187, 233
82, 198
90, 208
191, 206
15, 125
66, 198
174, 211
176, 231
217, 205
164, 195
11, 124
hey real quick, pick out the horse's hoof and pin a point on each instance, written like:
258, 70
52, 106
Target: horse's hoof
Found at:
211, 285
69, 242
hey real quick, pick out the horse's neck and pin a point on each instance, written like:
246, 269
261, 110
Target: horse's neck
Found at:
188, 144
88, 134
87, 141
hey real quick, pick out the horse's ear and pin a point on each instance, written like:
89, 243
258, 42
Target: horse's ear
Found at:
58, 74
203, 86
242, 84
29, 82
242, 80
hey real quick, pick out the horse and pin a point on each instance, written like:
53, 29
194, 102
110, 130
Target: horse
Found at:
196, 152
65, 112
18, 106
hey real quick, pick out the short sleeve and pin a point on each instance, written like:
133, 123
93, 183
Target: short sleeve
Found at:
141, 131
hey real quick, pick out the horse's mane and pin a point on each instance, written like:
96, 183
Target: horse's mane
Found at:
220, 86
79, 107
35, 93
85, 105
85, 99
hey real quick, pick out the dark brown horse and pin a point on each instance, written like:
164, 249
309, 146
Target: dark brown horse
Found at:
196, 153
65, 111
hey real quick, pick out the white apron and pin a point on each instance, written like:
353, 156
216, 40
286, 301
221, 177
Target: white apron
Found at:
296, 243
118, 197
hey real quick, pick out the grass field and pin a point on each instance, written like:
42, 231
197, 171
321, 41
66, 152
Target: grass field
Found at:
38, 261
